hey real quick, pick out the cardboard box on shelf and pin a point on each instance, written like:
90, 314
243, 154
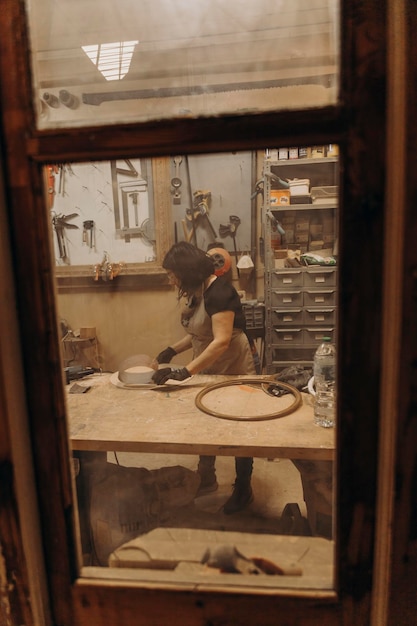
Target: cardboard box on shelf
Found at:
280, 257
316, 230
299, 187
325, 194
301, 199
289, 235
287, 219
280, 197
301, 237
316, 245
302, 224
328, 225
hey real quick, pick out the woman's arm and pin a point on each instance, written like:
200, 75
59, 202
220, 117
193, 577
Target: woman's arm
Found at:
222, 327
182, 345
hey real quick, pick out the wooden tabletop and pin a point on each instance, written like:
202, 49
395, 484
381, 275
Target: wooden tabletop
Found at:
167, 420
176, 555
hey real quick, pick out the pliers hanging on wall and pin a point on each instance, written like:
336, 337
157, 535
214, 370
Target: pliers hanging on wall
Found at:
59, 222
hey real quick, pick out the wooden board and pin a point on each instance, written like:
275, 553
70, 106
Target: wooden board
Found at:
166, 420
175, 554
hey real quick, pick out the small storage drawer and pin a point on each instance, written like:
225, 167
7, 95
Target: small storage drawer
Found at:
286, 355
284, 336
287, 278
326, 297
320, 277
320, 316
315, 335
287, 317
254, 315
286, 298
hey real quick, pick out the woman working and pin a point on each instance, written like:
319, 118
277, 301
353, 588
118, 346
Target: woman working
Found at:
215, 324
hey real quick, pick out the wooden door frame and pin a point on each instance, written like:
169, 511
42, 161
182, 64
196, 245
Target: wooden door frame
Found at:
365, 432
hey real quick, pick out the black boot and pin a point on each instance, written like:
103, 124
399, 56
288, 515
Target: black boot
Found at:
242, 494
207, 471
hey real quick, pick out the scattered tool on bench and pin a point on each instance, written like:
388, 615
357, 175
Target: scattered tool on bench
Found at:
228, 559
59, 222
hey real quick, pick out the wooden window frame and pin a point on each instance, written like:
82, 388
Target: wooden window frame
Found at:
358, 125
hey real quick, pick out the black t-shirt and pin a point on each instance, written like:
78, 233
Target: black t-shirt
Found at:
222, 296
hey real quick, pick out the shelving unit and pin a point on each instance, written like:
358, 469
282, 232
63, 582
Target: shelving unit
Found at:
300, 301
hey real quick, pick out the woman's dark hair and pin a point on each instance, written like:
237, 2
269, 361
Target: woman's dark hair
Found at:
190, 265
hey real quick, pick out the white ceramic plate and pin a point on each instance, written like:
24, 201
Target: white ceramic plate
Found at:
114, 379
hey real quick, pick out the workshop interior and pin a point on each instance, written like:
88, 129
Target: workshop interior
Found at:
268, 219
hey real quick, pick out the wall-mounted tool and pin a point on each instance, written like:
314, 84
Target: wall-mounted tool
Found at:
147, 231
130, 171
188, 233
230, 230
190, 212
63, 167
176, 182
59, 222
51, 171
88, 232
133, 210
201, 208
134, 195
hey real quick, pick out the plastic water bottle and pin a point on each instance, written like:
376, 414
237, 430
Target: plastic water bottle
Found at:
325, 383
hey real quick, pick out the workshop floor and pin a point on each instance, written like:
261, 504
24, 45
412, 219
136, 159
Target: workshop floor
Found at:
275, 483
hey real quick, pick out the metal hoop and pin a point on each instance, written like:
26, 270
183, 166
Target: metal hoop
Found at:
249, 381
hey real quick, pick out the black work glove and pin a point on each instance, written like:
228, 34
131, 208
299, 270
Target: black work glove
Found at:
166, 355
170, 373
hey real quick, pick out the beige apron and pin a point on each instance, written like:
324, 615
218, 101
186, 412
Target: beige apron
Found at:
237, 359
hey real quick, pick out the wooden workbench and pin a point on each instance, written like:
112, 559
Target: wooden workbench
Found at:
166, 420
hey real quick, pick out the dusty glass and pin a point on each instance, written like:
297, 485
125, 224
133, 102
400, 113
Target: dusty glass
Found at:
101, 62
271, 224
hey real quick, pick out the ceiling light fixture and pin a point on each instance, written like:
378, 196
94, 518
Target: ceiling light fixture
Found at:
111, 59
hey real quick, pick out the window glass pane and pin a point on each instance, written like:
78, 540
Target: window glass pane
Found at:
103, 62
158, 464
98, 208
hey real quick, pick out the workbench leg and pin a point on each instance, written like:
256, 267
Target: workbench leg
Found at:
317, 483
91, 466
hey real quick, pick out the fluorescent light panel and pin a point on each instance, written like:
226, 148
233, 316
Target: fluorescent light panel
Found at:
111, 59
